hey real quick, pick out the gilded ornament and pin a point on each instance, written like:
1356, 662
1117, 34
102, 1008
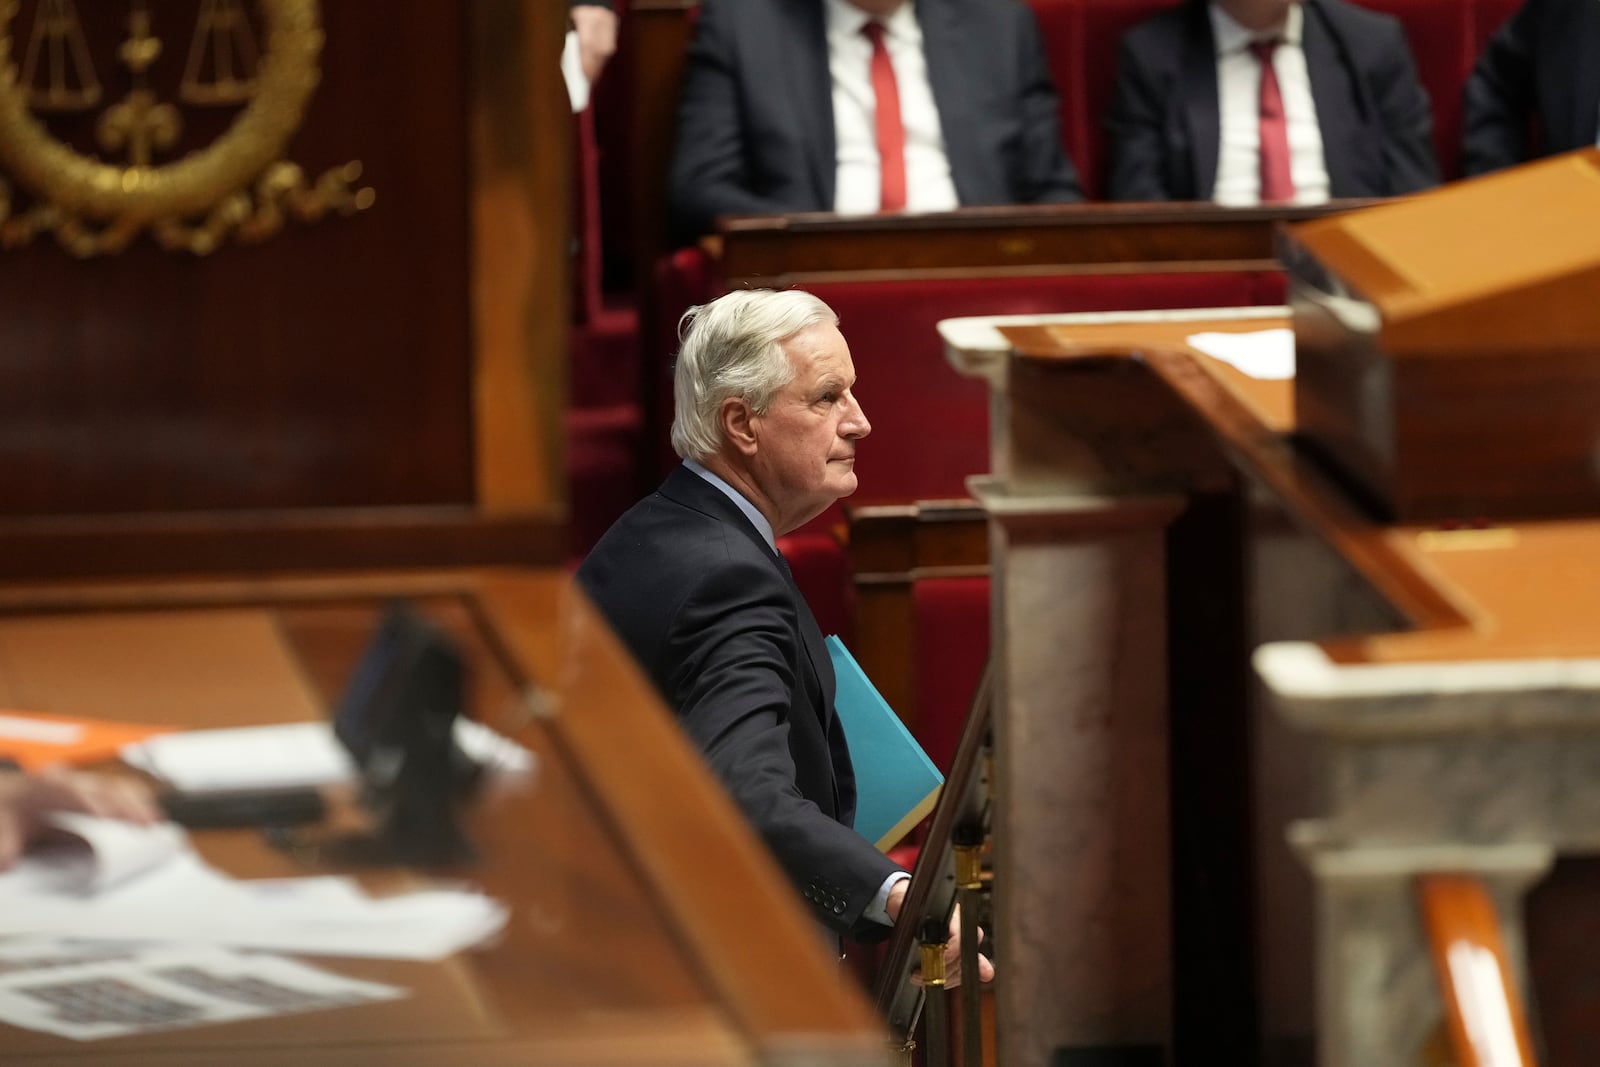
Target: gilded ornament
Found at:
238, 184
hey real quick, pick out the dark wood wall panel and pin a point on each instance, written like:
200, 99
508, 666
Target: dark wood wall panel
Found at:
329, 366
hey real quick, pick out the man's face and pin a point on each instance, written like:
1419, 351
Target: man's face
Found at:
806, 441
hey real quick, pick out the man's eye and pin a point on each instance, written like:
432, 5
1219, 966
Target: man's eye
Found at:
826, 398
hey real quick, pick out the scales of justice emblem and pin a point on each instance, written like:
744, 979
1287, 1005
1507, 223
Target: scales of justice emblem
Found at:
96, 169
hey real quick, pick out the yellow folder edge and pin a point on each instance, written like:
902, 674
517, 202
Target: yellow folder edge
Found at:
912, 817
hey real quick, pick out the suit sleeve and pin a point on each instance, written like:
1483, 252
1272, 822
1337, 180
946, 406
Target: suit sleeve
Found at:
1497, 102
735, 638
1135, 142
709, 176
1047, 174
1409, 161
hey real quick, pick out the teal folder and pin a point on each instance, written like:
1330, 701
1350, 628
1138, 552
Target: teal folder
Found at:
896, 783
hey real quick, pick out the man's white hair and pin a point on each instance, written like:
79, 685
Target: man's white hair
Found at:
733, 347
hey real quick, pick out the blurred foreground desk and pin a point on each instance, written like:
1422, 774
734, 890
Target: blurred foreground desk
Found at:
1238, 716
648, 926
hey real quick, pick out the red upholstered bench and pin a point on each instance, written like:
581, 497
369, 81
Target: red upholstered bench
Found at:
930, 425
952, 645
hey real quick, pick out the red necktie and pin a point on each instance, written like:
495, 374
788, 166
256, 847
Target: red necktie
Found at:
891, 132
1276, 182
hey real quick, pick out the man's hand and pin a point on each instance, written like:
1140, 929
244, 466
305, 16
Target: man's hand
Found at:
26, 798
952, 948
597, 37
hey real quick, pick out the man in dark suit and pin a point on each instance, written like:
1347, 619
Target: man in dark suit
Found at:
1535, 91
767, 423
778, 108
1184, 121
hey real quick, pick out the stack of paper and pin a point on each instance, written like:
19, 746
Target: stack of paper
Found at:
292, 756
122, 882
88, 993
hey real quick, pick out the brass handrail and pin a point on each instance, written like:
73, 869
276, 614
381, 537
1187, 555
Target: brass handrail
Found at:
963, 812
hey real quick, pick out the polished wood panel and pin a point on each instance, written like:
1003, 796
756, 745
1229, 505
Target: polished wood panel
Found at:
1530, 578
1065, 239
648, 925
1447, 346
395, 375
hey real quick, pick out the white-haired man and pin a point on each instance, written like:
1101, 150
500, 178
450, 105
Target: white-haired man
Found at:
767, 424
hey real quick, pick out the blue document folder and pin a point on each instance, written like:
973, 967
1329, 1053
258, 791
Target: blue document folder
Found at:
896, 783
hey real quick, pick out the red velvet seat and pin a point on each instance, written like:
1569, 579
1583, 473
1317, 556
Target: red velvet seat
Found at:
952, 645
1489, 15
930, 424
1091, 70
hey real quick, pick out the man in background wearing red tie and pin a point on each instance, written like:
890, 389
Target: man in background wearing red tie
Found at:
1268, 101
859, 106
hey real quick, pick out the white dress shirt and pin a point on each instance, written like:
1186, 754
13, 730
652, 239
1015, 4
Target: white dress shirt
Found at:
929, 186
1239, 102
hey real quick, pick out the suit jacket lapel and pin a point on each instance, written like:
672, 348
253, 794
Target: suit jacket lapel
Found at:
688, 488
1341, 125
807, 55
951, 77
1201, 111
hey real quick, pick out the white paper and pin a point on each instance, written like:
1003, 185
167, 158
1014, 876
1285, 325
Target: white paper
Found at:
39, 731
166, 988
1264, 354
286, 755
291, 755
183, 900
40, 953
572, 71
91, 854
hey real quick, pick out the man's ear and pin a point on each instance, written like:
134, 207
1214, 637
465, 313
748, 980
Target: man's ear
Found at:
738, 425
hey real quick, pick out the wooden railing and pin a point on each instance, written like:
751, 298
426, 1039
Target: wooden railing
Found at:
1483, 1011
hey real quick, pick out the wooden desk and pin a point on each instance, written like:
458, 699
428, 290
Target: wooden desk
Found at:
1007, 241
648, 925
1422, 699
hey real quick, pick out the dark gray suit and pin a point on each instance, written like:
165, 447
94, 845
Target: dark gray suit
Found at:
755, 119
713, 617
1539, 76
1163, 126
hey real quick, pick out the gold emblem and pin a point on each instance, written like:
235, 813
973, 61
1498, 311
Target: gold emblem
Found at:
238, 184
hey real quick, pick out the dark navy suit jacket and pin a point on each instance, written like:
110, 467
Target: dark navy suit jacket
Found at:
1536, 89
755, 119
1163, 125
712, 615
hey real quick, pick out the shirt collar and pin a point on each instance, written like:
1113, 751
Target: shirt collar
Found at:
758, 520
845, 20
1231, 37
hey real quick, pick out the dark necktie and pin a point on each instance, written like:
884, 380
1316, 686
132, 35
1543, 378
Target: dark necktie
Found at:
1277, 184
891, 132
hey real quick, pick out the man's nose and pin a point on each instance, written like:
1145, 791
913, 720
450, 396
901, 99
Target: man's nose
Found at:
855, 424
